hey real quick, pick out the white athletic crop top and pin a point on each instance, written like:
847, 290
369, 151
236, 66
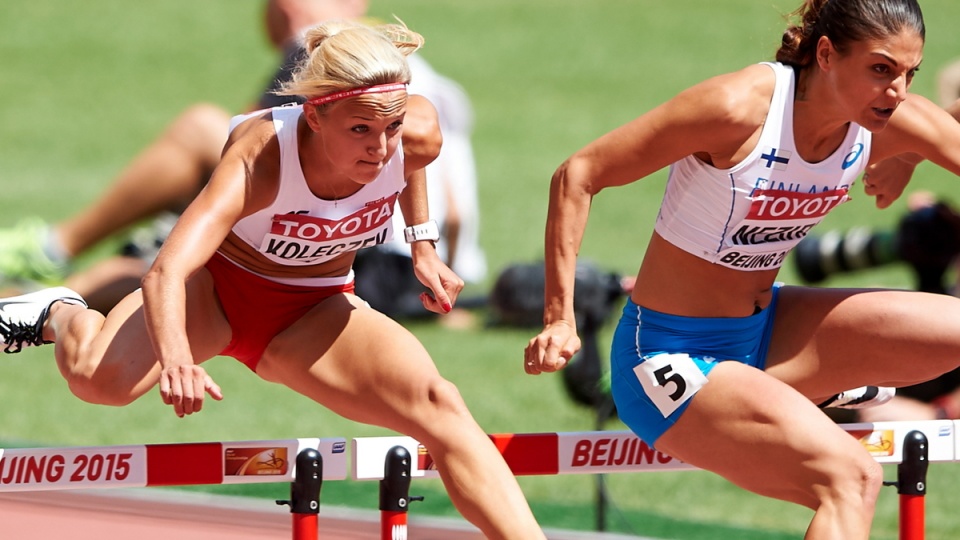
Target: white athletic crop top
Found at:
299, 229
748, 217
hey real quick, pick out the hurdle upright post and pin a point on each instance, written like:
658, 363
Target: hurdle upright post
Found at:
305, 495
395, 494
912, 485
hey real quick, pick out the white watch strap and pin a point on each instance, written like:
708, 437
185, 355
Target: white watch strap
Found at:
424, 231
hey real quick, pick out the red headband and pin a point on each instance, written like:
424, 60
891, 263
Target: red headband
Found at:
378, 89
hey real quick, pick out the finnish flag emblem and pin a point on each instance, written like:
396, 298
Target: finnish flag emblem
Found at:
776, 158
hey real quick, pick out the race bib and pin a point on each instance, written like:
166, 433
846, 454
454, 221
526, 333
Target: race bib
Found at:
670, 380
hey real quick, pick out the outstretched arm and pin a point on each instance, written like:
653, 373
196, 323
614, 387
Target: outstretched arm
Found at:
192, 242
714, 120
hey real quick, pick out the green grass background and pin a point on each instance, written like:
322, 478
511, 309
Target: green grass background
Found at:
85, 85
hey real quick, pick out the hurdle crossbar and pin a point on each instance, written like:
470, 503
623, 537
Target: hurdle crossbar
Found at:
306, 462
601, 452
147, 465
241, 462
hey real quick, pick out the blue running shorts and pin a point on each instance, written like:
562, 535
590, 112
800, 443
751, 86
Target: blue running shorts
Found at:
659, 361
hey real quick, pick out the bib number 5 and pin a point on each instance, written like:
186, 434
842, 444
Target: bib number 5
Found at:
669, 380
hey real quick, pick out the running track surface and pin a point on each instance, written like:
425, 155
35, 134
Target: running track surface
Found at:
162, 514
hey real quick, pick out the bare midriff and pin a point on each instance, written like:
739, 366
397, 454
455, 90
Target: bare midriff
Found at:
673, 281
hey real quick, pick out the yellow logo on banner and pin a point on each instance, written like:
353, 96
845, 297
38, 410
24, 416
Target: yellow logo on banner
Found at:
879, 443
255, 462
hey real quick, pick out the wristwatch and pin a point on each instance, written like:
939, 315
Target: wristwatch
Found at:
424, 231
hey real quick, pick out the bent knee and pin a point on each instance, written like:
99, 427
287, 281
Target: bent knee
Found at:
440, 417
871, 480
444, 396
91, 381
93, 391
856, 481
438, 403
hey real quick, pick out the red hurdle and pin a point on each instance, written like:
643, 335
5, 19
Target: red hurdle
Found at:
912, 486
305, 495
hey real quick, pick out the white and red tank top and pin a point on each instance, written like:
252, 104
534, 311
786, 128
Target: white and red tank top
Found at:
300, 229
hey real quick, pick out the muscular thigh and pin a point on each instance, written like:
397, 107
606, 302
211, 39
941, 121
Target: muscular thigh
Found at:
353, 360
761, 435
828, 340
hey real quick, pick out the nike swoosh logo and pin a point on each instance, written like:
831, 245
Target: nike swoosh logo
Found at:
17, 303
